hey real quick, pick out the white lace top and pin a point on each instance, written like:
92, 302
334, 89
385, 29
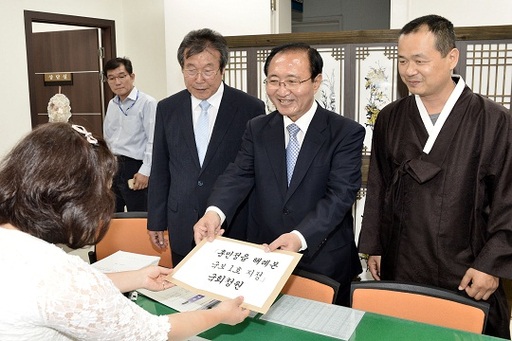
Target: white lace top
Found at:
50, 295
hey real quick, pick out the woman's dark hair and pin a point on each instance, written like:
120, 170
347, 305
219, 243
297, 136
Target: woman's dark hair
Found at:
315, 60
197, 41
55, 185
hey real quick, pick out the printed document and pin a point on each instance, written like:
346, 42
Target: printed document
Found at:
227, 268
313, 316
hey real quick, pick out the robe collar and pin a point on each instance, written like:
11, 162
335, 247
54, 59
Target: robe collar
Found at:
434, 129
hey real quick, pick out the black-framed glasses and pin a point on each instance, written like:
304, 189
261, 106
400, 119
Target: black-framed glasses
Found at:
113, 78
208, 73
289, 84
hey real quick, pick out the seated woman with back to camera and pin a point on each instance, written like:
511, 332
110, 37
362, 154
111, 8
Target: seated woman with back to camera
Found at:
55, 189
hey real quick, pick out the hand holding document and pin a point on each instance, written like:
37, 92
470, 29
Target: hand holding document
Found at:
227, 268
181, 299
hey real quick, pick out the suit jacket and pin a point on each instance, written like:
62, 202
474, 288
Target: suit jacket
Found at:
178, 186
318, 202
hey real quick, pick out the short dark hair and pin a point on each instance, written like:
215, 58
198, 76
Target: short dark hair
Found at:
441, 27
55, 185
114, 63
315, 60
197, 41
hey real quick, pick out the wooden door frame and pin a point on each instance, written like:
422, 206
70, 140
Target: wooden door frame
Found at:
108, 41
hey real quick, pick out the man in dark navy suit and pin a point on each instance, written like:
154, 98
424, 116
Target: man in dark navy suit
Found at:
198, 133
302, 204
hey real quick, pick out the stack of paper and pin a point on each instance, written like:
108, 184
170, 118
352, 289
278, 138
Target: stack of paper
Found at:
125, 261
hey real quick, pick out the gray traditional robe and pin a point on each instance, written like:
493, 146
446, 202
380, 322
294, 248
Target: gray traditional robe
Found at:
433, 216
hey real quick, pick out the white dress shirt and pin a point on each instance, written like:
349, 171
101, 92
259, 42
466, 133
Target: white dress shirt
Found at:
129, 127
303, 122
213, 110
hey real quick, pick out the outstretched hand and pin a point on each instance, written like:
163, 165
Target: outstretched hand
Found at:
154, 278
286, 241
208, 227
231, 311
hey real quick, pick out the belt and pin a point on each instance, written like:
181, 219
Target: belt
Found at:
122, 158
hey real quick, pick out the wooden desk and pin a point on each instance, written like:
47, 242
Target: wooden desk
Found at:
372, 327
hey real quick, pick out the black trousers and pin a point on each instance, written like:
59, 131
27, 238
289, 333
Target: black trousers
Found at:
176, 258
135, 201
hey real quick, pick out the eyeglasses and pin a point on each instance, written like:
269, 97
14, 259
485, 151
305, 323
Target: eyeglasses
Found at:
205, 73
121, 77
289, 84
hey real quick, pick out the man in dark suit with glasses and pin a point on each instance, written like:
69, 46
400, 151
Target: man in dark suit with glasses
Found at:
198, 133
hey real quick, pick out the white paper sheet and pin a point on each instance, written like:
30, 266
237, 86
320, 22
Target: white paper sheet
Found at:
227, 268
124, 261
317, 317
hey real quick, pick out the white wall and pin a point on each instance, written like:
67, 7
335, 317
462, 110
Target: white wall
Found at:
14, 117
228, 17
144, 41
459, 12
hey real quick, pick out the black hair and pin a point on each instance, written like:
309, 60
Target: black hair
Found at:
315, 60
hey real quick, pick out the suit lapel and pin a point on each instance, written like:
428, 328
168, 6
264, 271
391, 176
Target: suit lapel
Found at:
312, 143
225, 116
188, 127
273, 140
